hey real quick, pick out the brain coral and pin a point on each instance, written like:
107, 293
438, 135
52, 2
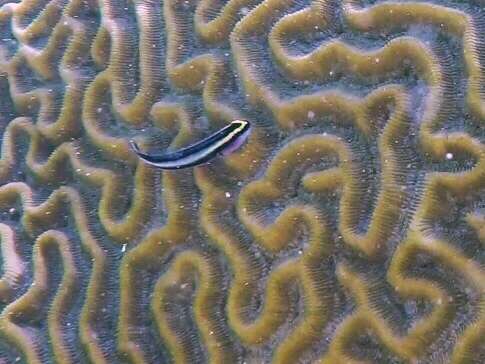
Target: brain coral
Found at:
349, 229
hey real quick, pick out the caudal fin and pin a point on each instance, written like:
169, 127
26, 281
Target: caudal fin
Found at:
134, 146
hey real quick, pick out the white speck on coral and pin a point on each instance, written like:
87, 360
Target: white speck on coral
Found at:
244, 10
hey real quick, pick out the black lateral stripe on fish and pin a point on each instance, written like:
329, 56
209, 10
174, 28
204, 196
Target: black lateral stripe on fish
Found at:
224, 141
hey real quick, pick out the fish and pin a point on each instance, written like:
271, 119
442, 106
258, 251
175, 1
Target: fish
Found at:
224, 142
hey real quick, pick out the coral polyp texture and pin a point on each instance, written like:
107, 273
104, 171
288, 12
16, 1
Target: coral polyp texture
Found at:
350, 228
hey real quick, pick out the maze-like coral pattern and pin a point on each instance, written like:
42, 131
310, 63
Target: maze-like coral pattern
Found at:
349, 229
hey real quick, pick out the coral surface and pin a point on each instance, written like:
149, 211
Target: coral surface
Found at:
349, 229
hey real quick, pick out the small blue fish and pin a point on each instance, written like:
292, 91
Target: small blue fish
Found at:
224, 141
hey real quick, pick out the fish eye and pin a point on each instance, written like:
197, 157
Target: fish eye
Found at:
240, 122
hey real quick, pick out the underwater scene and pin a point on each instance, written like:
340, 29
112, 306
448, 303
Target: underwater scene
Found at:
242, 181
